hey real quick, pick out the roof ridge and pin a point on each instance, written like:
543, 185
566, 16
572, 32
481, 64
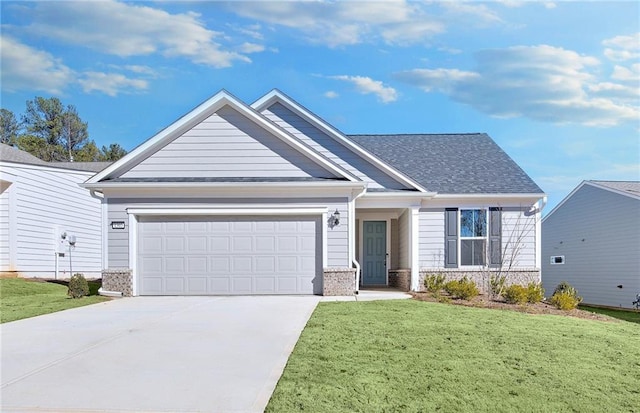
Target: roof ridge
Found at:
416, 134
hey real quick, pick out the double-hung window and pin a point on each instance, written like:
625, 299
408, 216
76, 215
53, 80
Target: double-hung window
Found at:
473, 236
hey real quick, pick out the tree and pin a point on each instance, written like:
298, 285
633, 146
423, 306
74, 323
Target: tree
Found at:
113, 152
9, 127
88, 153
74, 133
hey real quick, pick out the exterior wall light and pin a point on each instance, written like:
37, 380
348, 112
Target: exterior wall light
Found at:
334, 219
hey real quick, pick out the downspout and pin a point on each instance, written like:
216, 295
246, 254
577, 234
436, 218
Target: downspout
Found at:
102, 291
352, 239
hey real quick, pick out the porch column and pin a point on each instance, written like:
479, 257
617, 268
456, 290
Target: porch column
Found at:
414, 242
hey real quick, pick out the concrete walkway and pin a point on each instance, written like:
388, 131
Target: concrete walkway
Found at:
152, 354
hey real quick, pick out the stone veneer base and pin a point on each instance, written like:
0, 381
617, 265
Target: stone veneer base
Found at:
481, 278
339, 281
118, 280
400, 279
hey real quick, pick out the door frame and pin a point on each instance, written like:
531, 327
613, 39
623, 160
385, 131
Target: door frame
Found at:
374, 217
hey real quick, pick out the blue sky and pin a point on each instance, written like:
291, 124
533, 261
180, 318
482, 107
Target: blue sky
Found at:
556, 84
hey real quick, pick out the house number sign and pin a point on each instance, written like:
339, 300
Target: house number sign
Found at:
117, 224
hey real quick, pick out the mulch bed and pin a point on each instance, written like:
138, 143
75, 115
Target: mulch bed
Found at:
483, 301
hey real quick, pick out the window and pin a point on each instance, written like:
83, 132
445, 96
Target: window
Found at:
473, 236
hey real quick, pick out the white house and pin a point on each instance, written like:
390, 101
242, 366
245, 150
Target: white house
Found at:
42, 209
592, 240
268, 198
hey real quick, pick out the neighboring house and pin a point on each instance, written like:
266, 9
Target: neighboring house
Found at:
39, 202
270, 199
592, 241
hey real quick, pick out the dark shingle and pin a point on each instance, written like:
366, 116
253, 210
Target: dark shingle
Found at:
222, 179
12, 154
451, 163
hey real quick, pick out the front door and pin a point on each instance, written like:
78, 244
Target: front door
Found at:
374, 241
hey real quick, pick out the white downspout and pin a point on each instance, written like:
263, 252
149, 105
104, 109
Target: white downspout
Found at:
352, 237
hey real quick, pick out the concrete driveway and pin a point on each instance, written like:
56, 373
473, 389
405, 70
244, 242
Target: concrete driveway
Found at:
156, 354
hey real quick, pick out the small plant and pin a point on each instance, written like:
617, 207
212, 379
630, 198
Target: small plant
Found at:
463, 289
78, 286
565, 297
515, 294
434, 283
496, 285
535, 293
565, 301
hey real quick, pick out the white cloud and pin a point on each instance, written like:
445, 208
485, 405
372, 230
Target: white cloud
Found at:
251, 48
627, 74
131, 30
479, 12
621, 48
331, 94
27, 68
110, 83
346, 23
366, 85
544, 83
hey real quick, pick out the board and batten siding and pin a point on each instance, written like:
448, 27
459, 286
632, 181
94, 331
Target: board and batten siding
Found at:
227, 144
46, 202
330, 148
598, 234
337, 237
518, 238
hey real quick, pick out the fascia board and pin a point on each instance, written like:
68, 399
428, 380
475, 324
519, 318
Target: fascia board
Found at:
277, 96
47, 168
491, 196
162, 185
200, 113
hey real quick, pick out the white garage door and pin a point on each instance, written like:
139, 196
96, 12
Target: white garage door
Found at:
222, 255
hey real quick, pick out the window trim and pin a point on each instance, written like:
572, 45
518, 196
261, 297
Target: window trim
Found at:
485, 237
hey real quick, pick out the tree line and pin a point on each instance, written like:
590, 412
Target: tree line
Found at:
52, 131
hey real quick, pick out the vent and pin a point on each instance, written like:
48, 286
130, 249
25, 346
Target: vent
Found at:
557, 259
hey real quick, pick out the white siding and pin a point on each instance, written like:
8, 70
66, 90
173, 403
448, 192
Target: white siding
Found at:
4, 229
47, 202
227, 144
432, 238
597, 232
404, 242
337, 237
330, 148
518, 239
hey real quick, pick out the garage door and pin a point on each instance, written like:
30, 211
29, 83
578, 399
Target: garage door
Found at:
222, 255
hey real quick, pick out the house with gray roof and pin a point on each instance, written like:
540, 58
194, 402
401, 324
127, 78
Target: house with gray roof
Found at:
591, 240
268, 198
42, 208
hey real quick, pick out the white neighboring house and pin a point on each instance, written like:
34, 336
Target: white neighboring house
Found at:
39, 203
592, 241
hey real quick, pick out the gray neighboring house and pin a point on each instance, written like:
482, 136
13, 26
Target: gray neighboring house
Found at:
592, 240
268, 198
39, 202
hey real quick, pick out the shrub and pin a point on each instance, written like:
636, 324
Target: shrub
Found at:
535, 293
565, 301
496, 285
565, 287
78, 286
434, 283
515, 294
463, 289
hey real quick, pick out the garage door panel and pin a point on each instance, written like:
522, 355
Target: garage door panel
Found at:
229, 255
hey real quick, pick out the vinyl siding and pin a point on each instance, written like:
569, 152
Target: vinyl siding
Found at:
337, 237
227, 144
4, 229
431, 238
597, 231
330, 148
404, 247
48, 202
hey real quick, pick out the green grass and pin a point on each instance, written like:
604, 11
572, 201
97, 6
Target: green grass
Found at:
412, 356
22, 298
625, 315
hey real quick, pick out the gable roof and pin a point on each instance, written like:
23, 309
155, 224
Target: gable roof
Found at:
629, 188
196, 116
276, 96
452, 163
12, 154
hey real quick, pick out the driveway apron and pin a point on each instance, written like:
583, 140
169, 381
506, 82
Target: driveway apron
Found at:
152, 354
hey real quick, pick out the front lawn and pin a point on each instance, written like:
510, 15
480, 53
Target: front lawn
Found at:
23, 298
626, 315
412, 356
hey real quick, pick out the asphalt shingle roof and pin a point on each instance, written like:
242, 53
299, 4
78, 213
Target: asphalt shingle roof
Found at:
451, 163
11, 154
632, 187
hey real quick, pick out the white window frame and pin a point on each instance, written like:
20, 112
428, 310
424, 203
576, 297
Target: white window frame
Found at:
485, 238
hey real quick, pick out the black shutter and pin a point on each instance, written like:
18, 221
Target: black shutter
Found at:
495, 236
451, 238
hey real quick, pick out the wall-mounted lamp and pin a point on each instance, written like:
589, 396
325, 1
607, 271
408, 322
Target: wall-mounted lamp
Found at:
334, 219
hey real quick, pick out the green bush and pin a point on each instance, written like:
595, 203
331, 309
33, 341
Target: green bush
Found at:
565, 287
496, 285
463, 289
535, 293
565, 301
515, 294
78, 286
434, 283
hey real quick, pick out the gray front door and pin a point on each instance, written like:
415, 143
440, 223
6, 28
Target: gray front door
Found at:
374, 241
